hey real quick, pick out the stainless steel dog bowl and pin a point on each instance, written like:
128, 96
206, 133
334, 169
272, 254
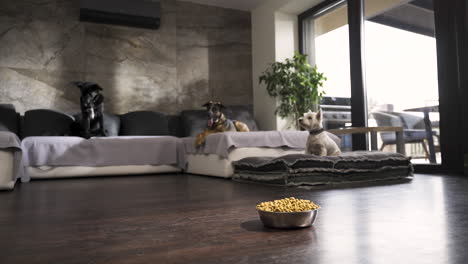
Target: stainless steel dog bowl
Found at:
288, 219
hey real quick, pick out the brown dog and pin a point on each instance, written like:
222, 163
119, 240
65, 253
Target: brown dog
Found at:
218, 122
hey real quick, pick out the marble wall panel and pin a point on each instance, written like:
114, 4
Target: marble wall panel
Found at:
41, 45
138, 92
54, 11
218, 42
198, 53
34, 89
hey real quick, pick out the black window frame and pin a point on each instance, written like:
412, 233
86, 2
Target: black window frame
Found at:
452, 60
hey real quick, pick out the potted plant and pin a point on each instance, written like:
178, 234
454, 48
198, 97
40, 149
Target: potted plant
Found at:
296, 84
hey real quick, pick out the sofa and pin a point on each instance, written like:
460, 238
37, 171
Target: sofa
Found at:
40, 145
139, 142
220, 150
10, 147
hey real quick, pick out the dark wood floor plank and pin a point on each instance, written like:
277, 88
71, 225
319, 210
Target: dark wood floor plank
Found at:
193, 219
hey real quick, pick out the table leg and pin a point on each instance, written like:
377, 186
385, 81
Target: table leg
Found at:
373, 140
430, 139
400, 143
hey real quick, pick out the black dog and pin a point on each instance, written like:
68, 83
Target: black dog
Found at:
92, 109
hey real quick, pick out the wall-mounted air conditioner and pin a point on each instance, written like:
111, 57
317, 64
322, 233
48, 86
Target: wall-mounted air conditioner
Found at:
133, 13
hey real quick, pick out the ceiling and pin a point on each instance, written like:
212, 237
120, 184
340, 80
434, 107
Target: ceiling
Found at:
416, 16
233, 4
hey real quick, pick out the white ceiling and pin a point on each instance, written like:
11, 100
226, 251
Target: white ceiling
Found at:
287, 6
234, 4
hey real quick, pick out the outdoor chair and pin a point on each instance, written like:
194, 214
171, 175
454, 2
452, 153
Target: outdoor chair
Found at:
413, 129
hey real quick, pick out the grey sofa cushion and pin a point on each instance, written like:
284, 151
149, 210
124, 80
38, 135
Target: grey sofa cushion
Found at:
144, 123
302, 169
243, 113
111, 123
176, 127
45, 122
195, 121
9, 119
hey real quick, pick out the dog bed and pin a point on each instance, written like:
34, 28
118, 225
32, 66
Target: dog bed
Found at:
302, 169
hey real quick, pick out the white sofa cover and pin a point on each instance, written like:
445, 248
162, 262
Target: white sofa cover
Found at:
49, 157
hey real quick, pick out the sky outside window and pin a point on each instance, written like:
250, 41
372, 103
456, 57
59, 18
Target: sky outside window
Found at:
400, 66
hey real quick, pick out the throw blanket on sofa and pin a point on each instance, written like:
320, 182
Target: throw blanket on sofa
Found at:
102, 151
10, 142
221, 143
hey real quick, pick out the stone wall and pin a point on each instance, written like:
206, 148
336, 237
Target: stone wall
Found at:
199, 53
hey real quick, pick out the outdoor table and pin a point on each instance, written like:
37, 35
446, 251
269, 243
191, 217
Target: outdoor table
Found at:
428, 125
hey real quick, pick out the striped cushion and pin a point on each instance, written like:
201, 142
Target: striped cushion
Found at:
303, 169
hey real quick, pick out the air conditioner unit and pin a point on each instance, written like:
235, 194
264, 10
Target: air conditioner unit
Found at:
132, 13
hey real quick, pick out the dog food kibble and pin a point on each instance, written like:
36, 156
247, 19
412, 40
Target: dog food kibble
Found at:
288, 205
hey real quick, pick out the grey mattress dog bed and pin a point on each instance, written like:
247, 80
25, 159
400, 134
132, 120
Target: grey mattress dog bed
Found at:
303, 169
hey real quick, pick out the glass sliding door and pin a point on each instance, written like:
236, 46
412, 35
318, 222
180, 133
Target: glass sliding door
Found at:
326, 43
401, 74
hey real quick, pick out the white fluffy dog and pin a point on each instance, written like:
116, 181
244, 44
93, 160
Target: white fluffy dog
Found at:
318, 142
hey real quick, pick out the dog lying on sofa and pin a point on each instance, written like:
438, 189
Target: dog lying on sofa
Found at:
92, 109
218, 122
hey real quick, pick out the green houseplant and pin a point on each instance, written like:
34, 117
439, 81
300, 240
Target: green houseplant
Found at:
296, 84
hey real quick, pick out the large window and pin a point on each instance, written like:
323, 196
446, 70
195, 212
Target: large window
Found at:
401, 74
328, 49
400, 68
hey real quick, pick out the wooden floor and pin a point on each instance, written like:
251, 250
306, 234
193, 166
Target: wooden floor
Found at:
193, 219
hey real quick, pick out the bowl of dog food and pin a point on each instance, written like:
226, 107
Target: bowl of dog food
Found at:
288, 213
